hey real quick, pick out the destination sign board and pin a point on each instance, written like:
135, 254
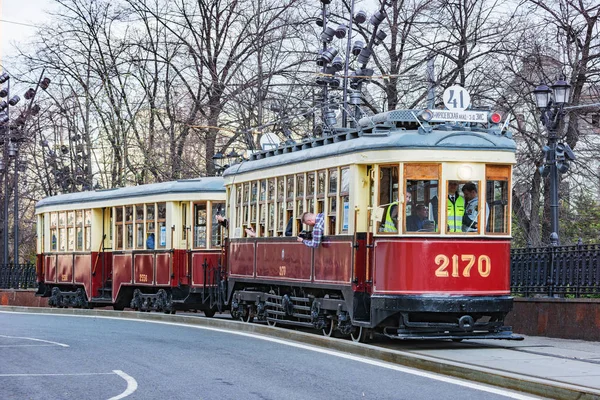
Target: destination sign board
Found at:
459, 116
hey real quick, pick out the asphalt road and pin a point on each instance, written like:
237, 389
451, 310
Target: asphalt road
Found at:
71, 357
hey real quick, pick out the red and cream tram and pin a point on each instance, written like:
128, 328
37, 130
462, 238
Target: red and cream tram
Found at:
397, 257
150, 247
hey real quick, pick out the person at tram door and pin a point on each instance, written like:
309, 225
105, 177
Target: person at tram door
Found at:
469, 220
416, 222
317, 221
221, 220
150, 242
456, 208
390, 221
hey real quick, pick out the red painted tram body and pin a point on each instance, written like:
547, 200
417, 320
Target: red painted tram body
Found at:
93, 248
434, 283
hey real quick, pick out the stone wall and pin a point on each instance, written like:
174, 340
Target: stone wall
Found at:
21, 297
556, 317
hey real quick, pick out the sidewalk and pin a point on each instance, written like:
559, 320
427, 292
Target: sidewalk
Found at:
560, 363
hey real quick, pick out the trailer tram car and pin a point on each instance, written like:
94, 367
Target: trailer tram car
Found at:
435, 281
149, 247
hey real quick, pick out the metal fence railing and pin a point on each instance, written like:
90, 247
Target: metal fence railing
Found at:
17, 276
565, 271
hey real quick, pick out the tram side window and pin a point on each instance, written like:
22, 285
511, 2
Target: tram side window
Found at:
129, 227
161, 221
299, 200
150, 227
200, 225
53, 231
421, 188
139, 227
71, 230
471, 219
344, 199
216, 232
79, 230
498, 198
332, 196
388, 198
62, 231
87, 227
281, 221
184, 221
119, 227
289, 198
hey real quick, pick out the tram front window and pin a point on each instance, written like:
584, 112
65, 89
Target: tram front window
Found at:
422, 206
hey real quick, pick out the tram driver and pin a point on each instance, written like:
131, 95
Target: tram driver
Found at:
317, 221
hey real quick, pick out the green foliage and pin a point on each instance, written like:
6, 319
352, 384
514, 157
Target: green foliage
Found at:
581, 219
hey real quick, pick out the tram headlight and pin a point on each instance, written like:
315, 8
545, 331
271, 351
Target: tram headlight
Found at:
426, 115
465, 172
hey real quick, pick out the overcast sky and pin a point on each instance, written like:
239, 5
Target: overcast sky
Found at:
15, 18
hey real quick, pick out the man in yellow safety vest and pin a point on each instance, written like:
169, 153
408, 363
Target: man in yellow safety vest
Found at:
456, 208
391, 218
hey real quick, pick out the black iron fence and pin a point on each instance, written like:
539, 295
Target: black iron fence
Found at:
17, 276
564, 271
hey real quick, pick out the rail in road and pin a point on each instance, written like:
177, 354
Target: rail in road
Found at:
532, 366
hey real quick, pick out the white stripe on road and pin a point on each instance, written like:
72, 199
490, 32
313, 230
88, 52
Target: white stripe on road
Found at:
77, 374
34, 339
27, 345
131, 385
364, 360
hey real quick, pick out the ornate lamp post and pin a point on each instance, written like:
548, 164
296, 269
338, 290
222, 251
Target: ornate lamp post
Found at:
551, 102
13, 134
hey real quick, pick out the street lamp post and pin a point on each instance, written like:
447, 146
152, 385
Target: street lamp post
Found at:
551, 102
13, 134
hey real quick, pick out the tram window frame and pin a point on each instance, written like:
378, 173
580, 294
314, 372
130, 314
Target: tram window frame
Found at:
150, 218
119, 228
184, 221
70, 230
423, 178
310, 192
332, 200
387, 195
280, 205
139, 223
299, 206
480, 203
87, 229
216, 236
53, 231
161, 221
200, 227
128, 228
344, 199
262, 209
498, 174
290, 186
254, 203
320, 189
62, 231
271, 207
79, 230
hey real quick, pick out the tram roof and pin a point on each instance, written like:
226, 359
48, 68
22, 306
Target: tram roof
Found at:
351, 141
198, 185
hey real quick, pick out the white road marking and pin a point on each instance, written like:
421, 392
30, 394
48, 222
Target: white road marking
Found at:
381, 364
131, 385
27, 345
77, 374
35, 340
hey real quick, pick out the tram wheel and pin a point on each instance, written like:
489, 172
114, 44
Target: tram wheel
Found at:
329, 329
210, 312
360, 334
